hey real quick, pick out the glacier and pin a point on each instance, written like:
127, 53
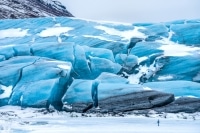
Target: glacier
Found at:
76, 64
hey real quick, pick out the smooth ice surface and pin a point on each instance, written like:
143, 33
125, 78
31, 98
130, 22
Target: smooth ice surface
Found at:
59, 51
99, 65
99, 52
35, 96
146, 48
178, 88
155, 31
187, 33
106, 90
35, 80
110, 78
81, 65
127, 61
80, 91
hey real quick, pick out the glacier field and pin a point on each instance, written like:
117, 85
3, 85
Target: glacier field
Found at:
89, 66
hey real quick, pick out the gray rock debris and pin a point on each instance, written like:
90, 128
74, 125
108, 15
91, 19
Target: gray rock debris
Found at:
183, 104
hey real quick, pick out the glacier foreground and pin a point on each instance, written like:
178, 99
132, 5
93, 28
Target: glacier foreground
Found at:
86, 66
32, 120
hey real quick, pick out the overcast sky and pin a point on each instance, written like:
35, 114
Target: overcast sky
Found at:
134, 10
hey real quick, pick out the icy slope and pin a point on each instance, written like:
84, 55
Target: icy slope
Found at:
79, 64
31, 8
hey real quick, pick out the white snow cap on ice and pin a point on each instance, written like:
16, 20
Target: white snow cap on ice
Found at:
7, 91
165, 77
126, 35
66, 67
178, 50
13, 33
54, 31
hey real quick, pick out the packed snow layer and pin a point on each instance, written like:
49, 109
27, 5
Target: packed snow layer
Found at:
178, 50
6, 91
59, 60
34, 121
13, 33
124, 34
54, 31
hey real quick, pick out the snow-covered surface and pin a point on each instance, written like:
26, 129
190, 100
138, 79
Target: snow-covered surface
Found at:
174, 49
54, 31
141, 59
178, 50
126, 35
13, 33
135, 78
7, 91
30, 120
166, 77
146, 88
98, 37
66, 67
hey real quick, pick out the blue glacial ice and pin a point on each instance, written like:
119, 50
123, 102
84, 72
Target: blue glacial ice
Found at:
80, 91
178, 88
56, 61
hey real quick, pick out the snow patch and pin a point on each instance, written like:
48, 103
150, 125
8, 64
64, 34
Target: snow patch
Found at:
57, 25
135, 78
189, 96
141, 59
145, 72
146, 88
32, 120
167, 40
54, 31
192, 96
166, 77
174, 49
7, 46
126, 35
66, 67
178, 50
59, 39
98, 37
7, 91
13, 33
